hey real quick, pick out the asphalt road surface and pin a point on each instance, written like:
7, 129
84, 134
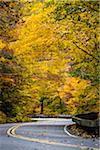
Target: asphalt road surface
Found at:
45, 134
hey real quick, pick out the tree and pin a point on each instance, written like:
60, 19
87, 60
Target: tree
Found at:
79, 40
11, 73
58, 50
51, 52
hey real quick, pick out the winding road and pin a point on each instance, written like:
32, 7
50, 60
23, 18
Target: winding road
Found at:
44, 134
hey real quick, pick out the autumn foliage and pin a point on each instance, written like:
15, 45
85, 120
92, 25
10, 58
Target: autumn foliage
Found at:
49, 52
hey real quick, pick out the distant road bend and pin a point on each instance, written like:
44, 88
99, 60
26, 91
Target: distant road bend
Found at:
44, 134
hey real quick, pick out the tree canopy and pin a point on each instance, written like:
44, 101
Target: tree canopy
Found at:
49, 53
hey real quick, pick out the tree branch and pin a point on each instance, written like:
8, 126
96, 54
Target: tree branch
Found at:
86, 52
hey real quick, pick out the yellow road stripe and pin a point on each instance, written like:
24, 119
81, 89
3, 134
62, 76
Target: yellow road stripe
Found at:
11, 132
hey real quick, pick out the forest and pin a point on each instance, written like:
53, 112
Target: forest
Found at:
48, 57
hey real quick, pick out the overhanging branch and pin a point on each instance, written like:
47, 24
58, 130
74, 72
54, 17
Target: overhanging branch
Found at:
86, 52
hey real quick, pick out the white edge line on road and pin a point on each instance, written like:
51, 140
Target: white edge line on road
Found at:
71, 135
67, 132
11, 132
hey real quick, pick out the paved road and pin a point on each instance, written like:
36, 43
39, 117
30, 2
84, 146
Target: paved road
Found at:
46, 134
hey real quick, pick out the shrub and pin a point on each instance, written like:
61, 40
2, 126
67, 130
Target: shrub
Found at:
2, 117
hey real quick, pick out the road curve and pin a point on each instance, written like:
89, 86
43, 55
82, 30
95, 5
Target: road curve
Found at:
41, 135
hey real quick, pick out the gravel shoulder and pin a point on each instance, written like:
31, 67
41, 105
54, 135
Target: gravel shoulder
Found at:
83, 132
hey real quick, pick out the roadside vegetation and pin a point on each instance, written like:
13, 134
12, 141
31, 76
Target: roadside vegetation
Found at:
49, 59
